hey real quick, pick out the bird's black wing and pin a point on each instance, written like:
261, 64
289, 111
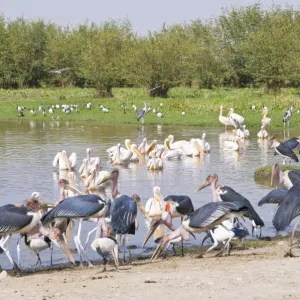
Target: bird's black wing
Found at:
286, 151
285, 116
294, 176
123, 215
13, 218
141, 113
210, 214
233, 197
185, 204
81, 206
291, 143
288, 210
276, 196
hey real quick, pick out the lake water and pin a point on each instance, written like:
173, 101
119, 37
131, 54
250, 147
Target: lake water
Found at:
28, 148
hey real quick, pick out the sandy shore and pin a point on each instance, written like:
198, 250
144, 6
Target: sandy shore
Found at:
256, 274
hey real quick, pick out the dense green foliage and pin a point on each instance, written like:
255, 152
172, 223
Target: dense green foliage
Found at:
244, 47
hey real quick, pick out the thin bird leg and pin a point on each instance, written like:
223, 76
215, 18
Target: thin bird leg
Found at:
182, 254
19, 251
227, 245
166, 252
88, 236
123, 237
76, 242
80, 245
104, 259
174, 249
51, 254
128, 246
3, 242
39, 259
215, 242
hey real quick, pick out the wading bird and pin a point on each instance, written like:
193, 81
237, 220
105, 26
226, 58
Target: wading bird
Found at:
287, 115
142, 113
235, 118
283, 149
79, 207
225, 120
201, 220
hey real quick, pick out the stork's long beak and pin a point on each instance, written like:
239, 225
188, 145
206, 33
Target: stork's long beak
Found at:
159, 249
153, 226
138, 153
203, 185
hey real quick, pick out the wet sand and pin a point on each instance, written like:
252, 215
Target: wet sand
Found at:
256, 274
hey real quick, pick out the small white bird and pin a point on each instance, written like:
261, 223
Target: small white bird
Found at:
160, 115
183, 113
161, 104
104, 245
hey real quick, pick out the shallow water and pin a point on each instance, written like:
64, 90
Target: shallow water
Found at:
28, 148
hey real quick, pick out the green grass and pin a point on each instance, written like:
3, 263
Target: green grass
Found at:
264, 173
201, 106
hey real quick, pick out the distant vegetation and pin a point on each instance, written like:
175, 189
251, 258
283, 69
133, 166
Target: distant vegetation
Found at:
244, 47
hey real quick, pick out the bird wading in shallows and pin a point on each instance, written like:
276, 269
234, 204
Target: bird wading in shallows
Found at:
26, 219
79, 207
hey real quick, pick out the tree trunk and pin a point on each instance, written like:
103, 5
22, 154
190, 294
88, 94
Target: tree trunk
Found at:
104, 92
160, 91
273, 87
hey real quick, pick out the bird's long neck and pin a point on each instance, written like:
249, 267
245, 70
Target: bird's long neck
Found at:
221, 111
142, 209
27, 243
213, 187
115, 191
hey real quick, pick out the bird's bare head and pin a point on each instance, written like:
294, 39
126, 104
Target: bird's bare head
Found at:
32, 204
136, 198
275, 136
208, 181
63, 182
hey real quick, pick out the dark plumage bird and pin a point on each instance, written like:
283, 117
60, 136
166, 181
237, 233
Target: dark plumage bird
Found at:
183, 206
78, 207
201, 220
123, 215
283, 149
274, 197
287, 115
228, 194
142, 112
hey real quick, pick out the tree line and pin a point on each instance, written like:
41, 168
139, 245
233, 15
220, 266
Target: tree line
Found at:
243, 47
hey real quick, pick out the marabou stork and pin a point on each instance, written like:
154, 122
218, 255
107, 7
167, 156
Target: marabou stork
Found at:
182, 206
79, 207
287, 115
26, 219
276, 196
287, 178
284, 149
227, 194
200, 220
287, 211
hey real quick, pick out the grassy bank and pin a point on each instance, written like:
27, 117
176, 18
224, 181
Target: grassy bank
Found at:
201, 106
264, 173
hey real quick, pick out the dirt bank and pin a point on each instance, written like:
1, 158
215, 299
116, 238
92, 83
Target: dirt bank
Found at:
261, 273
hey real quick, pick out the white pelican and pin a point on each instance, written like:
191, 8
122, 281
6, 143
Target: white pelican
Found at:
170, 154
143, 146
125, 157
192, 148
203, 143
225, 120
176, 145
64, 162
246, 131
235, 118
262, 134
265, 120
234, 145
153, 209
154, 163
